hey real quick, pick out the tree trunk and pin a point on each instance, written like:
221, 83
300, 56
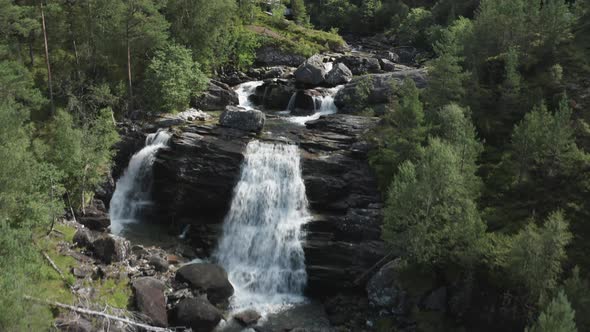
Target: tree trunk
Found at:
47, 60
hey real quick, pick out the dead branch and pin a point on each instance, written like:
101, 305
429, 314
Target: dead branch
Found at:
55, 267
97, 313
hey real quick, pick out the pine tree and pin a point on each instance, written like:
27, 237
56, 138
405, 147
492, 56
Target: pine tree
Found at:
406, 133
577, 290
299, 12
557, 317
537, 254
430, 214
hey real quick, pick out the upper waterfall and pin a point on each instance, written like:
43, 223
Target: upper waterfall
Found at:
132, 193
326, 106
261, 242
245, 90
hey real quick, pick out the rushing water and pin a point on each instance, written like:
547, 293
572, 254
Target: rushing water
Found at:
132, 193
326, 107
261, 242
245, 90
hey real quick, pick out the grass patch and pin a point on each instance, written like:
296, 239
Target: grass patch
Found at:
115, 293
294, 38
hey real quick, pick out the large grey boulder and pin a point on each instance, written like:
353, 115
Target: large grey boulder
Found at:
243, 119
208, 278
197, 314
339, 74
312, 71
275, 94
385, 291
217, 96
150, 300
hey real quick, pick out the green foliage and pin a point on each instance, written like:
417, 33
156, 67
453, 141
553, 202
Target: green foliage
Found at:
415, 28
295, 38
404, 134
430, 214
173, 78
299, 12
537, 254
82, 155
453, 124
543, 144
446, 76
578, 291
557, 317
203, 26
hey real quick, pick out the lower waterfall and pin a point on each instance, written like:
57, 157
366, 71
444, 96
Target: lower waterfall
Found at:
133, 189
261, 243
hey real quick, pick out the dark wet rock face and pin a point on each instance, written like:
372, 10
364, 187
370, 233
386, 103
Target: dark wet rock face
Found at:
275, 94
197, 314
150, 300
194, 178
208, 278
305, 102
343, 239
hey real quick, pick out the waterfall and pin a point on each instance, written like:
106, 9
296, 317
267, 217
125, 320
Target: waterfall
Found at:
261, 242
132, 193
245, 90
327, 106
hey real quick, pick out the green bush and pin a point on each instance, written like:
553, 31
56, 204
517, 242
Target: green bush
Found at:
173, 78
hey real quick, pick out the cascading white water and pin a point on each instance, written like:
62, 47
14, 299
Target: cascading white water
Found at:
261, 242
327, 106
132, 193
245, 90
328, 66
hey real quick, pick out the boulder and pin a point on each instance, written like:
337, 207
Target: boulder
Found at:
84, 237
247, 317
159, 263
107, 247
196, 314
388, 55
406, 54
386, 65
217, 96
150, 300
181, 118
385, 291
110, 248
95, 217
359, 64
208, 278
305, 102
339, 74
242, 119
274, 56
312, 71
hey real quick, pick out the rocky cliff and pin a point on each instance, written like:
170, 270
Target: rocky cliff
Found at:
196, 174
